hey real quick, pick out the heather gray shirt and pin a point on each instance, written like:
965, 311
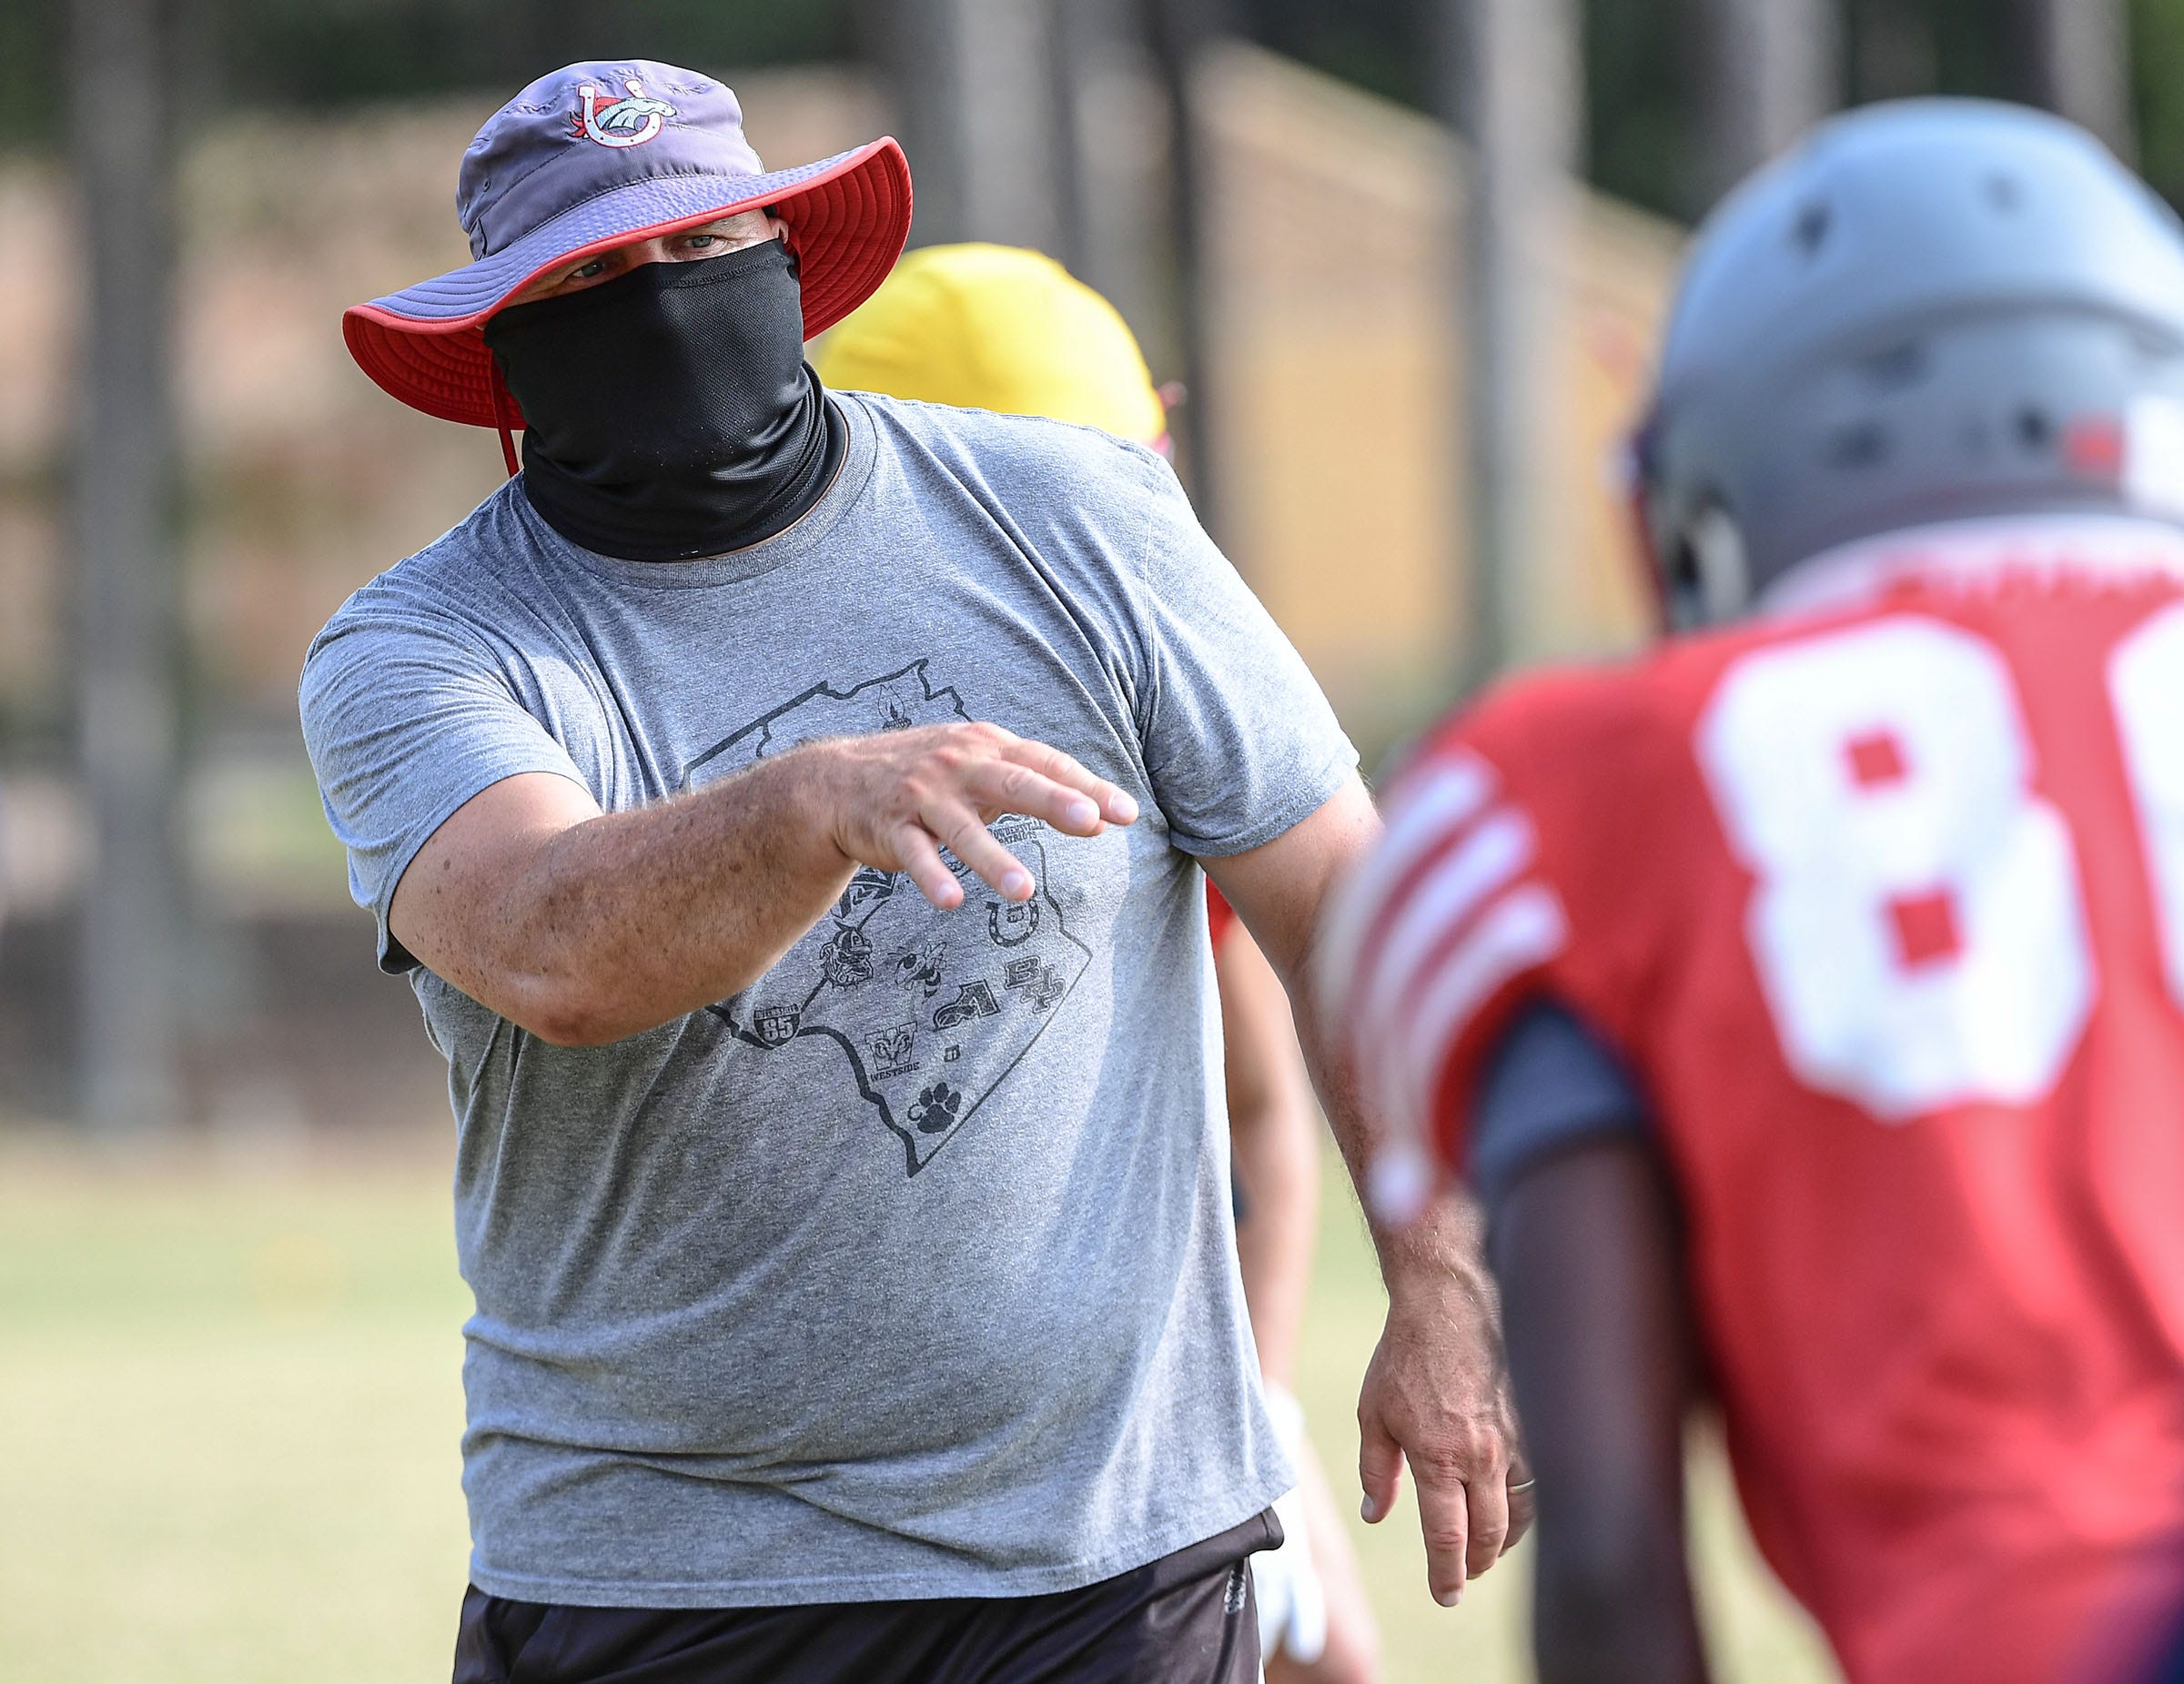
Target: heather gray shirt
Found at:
910, 1271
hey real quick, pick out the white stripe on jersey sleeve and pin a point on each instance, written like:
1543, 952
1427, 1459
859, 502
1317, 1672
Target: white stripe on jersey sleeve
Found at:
1416, 944
1483, 863
1524, 928
1428, 810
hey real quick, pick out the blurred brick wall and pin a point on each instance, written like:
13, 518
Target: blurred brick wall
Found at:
1342, 443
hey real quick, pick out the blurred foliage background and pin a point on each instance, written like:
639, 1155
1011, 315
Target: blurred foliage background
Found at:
1641, 135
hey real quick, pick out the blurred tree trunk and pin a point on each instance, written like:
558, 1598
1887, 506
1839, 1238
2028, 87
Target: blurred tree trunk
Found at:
906, 42
1182, 31
2075, 59
1895, 54
1007, 119
1089, 45
1771, 70
1112, 150
123, 492
1514, 82
970, 82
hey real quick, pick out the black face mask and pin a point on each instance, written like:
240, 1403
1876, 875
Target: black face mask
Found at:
668, 412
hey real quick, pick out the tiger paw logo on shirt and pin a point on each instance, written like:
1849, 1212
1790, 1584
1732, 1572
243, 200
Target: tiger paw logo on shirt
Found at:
628, 121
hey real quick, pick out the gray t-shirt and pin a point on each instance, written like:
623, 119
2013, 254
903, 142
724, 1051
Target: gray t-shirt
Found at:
910, 1271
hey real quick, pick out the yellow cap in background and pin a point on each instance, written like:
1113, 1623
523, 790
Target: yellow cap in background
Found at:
996, 328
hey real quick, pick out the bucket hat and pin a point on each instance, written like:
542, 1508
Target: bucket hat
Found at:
594, 157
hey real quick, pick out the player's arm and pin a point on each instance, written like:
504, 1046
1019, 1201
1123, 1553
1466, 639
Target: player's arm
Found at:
1584, 1245
1274, 1140
1434, 1395
584, 927
1584, 1241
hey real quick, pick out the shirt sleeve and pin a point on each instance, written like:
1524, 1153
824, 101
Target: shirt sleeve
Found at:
1546, 1083
1239, 741
406, 718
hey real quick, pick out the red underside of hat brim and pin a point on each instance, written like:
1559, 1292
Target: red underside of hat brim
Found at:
847, 225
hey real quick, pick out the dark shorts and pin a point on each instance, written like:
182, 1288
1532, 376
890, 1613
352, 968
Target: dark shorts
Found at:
1186, 1618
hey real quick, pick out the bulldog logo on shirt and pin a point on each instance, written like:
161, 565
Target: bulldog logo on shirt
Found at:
930, 1011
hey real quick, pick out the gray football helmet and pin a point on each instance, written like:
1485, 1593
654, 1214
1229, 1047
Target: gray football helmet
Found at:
1930, 309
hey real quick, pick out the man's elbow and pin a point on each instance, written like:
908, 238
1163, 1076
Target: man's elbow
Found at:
571, 1026
570, 1013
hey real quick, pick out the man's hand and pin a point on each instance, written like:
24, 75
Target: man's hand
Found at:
895, 800
1436, 1396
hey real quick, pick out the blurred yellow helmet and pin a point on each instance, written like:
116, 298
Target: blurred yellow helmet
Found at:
996, 328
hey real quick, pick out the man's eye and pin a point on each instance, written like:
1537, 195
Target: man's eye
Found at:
598, 266
698, 242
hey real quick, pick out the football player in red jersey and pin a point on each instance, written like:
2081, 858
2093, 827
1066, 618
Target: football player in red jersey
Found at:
1805, 999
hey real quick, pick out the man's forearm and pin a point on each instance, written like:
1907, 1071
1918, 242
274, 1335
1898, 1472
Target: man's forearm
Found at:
1281, 890
585, 927
1435, 1396
633, 919
1445, 1244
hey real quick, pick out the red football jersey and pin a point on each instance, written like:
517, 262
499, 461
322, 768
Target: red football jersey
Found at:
1881, 902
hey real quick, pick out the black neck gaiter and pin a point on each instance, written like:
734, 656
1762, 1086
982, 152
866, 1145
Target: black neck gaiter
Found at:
669, 413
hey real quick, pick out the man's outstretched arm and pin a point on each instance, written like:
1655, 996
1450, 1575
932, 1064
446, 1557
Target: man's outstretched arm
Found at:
1584, 1244
1435, 1396
584, 927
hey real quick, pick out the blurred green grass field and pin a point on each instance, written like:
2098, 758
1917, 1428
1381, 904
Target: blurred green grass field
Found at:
230, 1395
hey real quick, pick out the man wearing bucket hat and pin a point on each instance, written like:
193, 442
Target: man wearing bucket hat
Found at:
1004, 329
787, 809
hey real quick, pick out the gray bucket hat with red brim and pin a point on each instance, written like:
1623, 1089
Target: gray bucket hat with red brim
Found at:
597, 155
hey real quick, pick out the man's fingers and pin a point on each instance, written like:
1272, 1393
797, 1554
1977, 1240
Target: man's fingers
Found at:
1114, 805
919, 855
958, 776
1444, 1517
970, 842
1379, 1468
1521, 1508
1486, 1502
1000, 786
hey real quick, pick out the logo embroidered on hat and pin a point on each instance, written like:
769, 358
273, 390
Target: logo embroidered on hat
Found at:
626, 122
